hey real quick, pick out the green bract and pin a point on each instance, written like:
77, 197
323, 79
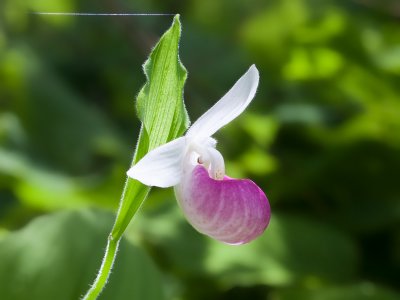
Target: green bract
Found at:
160, 104
160, 108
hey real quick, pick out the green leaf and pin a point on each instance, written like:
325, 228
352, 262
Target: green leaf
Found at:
162, 112
56, 257
160, 104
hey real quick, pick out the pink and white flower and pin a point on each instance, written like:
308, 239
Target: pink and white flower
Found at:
234, 211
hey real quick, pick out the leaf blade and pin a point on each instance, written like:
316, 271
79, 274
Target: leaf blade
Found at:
160, 104
156, 130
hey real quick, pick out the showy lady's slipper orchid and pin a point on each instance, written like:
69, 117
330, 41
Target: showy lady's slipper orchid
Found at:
234, 211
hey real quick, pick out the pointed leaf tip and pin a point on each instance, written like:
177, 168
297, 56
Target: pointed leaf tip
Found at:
176, 24
163, 114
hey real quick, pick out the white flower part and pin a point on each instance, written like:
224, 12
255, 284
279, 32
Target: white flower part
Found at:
166, 165
162, 166
228, 107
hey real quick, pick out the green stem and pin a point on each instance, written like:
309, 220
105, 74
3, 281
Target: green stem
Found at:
106, 266
133, 197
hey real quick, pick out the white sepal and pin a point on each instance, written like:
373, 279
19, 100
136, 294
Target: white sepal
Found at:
162, 166
228, 107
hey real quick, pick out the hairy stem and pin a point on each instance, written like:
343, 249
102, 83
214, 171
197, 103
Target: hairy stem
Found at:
133, 197
106, 266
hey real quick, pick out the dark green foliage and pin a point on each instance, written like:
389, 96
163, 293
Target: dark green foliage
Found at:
56, 257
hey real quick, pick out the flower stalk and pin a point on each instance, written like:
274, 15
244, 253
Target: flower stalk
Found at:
132, 190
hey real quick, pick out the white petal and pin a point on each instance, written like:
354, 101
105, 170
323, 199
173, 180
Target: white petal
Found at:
228, 107
162, 166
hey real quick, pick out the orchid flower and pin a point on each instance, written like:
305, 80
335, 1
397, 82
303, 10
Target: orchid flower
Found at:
234, 211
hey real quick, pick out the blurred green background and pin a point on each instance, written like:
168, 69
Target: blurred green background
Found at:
322, 138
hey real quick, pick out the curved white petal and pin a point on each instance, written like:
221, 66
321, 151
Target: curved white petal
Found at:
162, 166
228, 107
